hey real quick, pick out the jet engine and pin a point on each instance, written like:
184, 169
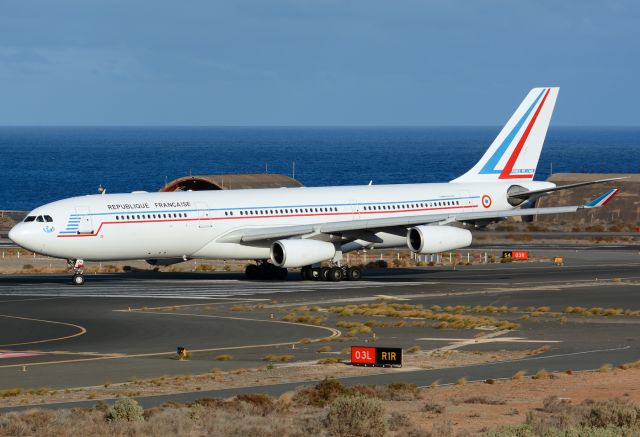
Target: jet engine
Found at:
299, 253
434, 239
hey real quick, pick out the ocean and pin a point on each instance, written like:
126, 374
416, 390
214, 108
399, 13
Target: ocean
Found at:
43, 164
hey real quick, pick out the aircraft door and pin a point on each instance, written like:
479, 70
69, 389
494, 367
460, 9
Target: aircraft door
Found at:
85, 225
204, 215
355, 209
465, 200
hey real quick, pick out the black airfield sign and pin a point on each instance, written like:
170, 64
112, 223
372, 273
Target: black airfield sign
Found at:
389, 356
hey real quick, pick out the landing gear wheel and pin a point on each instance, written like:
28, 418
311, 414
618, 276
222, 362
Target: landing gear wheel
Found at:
281, 274
305, 272
252, 272
77, 279
335, 274
324, 274
310, 274
315, 274
354, 273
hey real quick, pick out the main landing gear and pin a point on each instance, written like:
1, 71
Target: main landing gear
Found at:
78, 267
265, 270
334, 274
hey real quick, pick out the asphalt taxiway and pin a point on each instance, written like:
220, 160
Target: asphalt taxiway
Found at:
120, 326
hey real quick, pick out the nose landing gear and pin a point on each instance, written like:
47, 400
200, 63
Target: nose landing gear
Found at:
78, 267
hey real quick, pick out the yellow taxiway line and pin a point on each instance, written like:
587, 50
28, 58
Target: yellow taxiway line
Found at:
81, 331
334, 334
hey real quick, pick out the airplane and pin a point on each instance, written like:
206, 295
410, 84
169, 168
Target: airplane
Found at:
303, 227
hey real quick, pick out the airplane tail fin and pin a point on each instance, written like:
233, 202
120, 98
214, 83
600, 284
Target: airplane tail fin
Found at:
514, 153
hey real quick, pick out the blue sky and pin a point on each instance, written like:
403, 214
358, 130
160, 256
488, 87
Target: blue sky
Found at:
304, 62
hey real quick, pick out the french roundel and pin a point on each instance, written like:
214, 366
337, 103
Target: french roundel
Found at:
486, 201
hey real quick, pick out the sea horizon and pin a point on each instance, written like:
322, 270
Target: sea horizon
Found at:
41, 164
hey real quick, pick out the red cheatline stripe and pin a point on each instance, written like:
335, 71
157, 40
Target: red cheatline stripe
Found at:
506, 172
610, 197
258, 217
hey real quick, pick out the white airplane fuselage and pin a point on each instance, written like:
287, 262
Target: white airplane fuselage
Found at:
189, 224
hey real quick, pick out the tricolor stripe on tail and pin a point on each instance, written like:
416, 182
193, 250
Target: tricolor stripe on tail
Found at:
515, 152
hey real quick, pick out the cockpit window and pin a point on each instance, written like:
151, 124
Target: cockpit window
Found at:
39, 218
30, 218
47, 218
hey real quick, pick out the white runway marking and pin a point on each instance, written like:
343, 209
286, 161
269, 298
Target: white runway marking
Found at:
194, 290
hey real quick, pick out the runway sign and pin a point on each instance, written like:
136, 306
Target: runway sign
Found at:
363, 355
389, 356
376, 356
515, 254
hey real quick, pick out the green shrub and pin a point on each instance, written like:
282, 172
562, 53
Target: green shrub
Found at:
356, 416
126, 409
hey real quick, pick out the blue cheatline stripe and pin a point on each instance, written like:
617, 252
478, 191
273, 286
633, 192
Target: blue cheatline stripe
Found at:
597, 201
142, 211
490, 166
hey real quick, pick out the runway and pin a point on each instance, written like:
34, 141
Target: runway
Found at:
120, 326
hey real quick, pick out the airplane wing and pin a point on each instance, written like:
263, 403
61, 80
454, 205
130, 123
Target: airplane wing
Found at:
249, 235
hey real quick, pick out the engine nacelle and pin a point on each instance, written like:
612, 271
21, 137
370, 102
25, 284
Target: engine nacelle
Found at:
435, 239
299, 253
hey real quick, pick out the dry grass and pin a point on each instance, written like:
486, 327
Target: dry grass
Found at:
519, 375
223, 358
449, 317
599, 311
605, 368
324, 349
484, 401
360, 410
541, 374
309, 319
272, 358
331, 360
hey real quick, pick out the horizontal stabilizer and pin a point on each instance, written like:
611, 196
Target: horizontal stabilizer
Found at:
602, 200
528, 194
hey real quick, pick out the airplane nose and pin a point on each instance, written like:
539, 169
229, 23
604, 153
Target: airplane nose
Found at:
15, 234
22, 236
